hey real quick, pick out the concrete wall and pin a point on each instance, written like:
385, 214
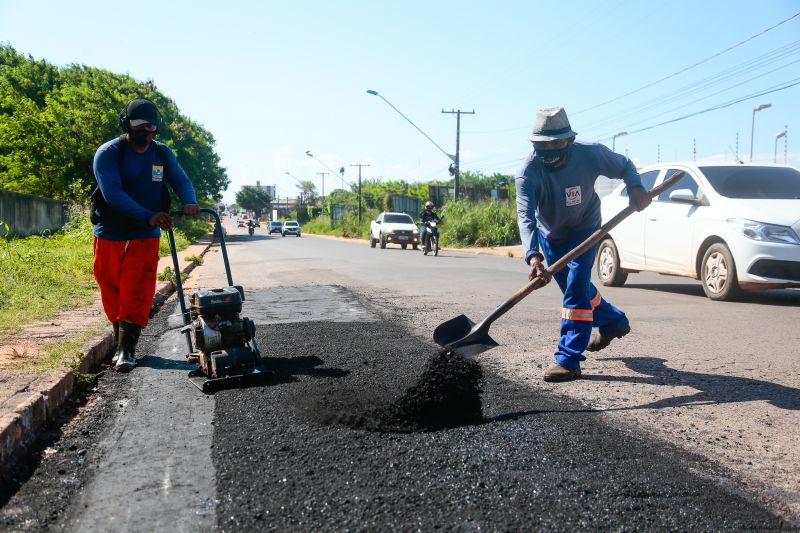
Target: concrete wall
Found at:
27, 215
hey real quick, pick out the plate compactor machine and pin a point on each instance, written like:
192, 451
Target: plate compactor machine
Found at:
219, 339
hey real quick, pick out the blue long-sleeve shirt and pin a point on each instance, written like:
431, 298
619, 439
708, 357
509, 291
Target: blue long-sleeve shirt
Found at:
136, 191
558, 202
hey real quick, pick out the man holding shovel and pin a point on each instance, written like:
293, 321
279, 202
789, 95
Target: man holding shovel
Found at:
557, 210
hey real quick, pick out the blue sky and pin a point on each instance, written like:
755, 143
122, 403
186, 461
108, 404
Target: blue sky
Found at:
273, 79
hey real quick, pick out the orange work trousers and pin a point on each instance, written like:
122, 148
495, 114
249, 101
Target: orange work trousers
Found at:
126, 273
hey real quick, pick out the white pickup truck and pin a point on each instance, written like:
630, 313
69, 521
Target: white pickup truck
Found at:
393, 228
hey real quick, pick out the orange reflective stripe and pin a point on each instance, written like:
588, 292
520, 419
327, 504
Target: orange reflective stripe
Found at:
584, 315
596, 301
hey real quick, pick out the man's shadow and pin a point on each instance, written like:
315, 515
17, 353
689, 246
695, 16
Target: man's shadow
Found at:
712, 388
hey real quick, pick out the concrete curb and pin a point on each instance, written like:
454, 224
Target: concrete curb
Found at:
42, 404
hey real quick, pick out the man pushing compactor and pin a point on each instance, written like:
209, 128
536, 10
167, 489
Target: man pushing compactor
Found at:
557, 210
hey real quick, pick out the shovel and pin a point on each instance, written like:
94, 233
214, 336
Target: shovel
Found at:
462, 336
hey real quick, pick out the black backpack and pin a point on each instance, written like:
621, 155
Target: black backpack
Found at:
111, 216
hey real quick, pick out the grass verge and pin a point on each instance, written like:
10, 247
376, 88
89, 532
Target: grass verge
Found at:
42, 275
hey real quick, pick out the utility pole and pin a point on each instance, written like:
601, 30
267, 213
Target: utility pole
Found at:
323, 190
457, 113
737, 146
359, 165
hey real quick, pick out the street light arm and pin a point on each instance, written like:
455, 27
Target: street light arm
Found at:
375, 93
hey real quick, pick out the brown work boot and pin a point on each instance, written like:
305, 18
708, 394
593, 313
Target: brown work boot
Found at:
557, 372
600, 341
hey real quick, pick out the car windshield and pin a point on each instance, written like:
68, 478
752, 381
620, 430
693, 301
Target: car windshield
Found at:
398, 219
290, 223
757, 183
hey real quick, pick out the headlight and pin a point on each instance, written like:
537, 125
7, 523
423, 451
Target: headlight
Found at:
759, 231
416, 232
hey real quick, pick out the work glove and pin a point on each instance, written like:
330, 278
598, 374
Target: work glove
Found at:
538, 270
638, 198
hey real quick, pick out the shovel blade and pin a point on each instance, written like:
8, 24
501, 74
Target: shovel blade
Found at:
462, 336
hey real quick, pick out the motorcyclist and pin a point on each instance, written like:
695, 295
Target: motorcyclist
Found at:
251, 226
429, 215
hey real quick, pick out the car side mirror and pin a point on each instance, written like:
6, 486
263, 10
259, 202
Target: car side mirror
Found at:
683, 196
377, 221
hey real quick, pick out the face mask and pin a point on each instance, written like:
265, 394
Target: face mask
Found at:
141, 138
553, 159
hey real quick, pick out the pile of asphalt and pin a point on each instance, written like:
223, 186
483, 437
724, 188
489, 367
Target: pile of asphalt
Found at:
447, 394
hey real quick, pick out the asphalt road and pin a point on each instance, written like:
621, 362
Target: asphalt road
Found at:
347, 332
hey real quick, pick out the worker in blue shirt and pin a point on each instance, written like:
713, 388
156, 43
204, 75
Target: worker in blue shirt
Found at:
129, 215
558, 209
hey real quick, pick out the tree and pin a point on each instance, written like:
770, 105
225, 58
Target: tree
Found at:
308, 191
253, 199
53, 119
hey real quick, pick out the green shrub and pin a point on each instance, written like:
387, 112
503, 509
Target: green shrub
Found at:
486, 223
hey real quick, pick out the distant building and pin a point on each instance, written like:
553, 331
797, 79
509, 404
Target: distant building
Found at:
269, 189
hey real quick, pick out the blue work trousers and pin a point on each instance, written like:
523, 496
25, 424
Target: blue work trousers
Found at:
583, 307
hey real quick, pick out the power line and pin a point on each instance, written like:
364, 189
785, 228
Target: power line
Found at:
706, 97
690, 66
755, 64
775, 88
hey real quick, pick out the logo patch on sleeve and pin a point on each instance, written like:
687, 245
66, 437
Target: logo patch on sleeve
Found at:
158, 173
573, 195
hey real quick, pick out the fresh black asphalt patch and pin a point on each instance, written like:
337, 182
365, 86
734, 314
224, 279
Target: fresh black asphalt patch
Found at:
338, 442
289, 456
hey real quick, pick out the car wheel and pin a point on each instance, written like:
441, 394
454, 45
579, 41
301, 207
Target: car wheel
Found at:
372, 241
718, 273
283, 234
298, 234
608, 269
403, 246
415, 246
383, 241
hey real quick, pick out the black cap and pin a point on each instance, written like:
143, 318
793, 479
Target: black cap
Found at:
142, 110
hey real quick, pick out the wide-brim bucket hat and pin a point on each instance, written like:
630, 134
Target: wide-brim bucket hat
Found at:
551, 123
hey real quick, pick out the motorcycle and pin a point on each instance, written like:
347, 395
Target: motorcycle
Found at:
431, 238
251, 228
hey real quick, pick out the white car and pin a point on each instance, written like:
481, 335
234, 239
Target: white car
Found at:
290, 227
396, 228
732, 226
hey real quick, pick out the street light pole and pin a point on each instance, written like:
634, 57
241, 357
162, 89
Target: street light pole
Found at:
341, 170
757, 108
301, 190
375, 93
614, 139
778, 136
322, 174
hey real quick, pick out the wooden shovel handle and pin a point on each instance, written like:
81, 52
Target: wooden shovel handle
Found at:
593, 239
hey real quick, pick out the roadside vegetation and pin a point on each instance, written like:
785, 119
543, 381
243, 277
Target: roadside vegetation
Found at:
487, 223
41, 275
466, 223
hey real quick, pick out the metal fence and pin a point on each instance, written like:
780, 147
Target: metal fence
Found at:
26, 214
400, 203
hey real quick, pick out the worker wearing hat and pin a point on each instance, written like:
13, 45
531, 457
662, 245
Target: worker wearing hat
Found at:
130, 172
558, 209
